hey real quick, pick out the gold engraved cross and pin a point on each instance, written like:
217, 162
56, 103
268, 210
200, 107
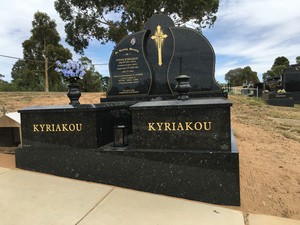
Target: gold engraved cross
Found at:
159, 37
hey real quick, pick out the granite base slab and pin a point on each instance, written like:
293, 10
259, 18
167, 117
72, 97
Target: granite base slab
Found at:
279, 100
201, 176
287, 102
296, 97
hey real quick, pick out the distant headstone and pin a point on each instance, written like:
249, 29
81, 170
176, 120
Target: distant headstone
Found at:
145, 64
291, 78
291, 81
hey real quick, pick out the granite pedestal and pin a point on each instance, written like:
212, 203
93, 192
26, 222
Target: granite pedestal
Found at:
154, 162
178, 148
211, 177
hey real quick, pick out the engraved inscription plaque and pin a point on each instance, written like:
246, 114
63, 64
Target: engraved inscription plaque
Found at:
129, 68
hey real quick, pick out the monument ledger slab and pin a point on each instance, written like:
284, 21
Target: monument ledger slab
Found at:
205, 121
85, 126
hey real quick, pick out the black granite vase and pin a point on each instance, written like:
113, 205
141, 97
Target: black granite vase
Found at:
74, 94
183, 87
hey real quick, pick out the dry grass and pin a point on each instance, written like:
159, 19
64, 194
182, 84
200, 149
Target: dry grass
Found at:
13, 101
254, 111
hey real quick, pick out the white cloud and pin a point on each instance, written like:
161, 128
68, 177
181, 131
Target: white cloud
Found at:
256, 32
246, 33
15, 25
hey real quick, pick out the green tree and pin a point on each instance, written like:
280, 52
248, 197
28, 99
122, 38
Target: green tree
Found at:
298, 59
41, 50
105, 83
280, 63
1, 78
277, 70
238, 76
6, 86
92, 80
3, 83
232, 76
86, 20
26, 79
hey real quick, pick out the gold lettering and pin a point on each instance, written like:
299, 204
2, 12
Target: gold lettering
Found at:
35, 128
57, 128
188, 126
167, 126
198, 127
60, 127
209, 126
159, 126
180, 127
150, 127
173, 124
64, 127
134, 49
170, 126
72, 127
48, 127
79, 126
123, 49
42, 127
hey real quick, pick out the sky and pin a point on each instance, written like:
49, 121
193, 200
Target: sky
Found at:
246, 33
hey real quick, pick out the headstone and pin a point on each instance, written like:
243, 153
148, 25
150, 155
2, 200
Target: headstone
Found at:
288, 83
291, 81
145, 64
273, 98
179, 144
273, 83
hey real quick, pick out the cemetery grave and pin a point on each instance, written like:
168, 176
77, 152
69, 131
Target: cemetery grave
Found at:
164, 95
291, 81
257, 199
284, 90
263, 146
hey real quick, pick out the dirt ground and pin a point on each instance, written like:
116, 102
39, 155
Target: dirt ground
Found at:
268, 139
7, 161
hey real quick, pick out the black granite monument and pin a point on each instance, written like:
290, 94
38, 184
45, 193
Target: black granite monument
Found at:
163, 128
144, 65
279, 89
291, 82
